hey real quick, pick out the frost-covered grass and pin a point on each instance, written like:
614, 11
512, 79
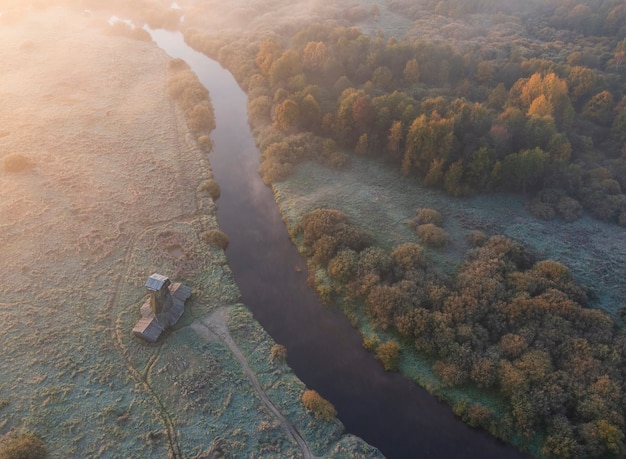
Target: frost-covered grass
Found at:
115, 194
380, 201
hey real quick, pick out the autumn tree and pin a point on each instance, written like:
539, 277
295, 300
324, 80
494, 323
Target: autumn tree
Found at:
286, 115
269, 51
428, 139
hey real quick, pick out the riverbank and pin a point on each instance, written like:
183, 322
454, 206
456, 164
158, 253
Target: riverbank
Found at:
109, 192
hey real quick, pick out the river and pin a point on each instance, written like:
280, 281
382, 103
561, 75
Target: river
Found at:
385, 409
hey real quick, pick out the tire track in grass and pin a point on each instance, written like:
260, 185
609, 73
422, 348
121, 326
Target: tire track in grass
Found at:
141, 379
217, 324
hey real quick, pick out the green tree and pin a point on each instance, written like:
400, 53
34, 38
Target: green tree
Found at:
479, 168
428, 139
580, 81
600, 108
524, 170
285, 67
382, 78
453, 179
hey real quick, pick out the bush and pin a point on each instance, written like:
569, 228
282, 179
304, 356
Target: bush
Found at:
371, 343
215, 238
15, 162
278, 352
476, 238
205, 142
432, 235
389, 355
569, 209
211, 187
541, 210
409, 256
318, 405
343, 266
23, 446
425, 216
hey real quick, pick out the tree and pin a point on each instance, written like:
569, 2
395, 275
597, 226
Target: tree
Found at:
428, 139
269, 51
411, 72
581, 82
286, 66
600, 108
541, 107
286, 115
319, 406
524, 170
382, 78
315, 56
362, 145
363, 113
484, 72
395, 138
389, 355
452, 181
479, 168
310, 113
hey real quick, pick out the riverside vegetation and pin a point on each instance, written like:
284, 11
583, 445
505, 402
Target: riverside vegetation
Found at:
477, 97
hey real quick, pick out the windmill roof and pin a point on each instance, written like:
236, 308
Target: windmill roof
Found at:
156, 281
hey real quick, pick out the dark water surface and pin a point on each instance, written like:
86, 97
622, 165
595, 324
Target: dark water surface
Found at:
385, 409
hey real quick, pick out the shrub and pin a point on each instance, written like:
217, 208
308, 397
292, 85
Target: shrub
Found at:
15, 162
568, 208
408, 256
432, 235
215, 238
476, 238
389, 355
425, 216
23, 446
278, 352
343, 266
371, 343
205, 142
541, 210
211, 187
319, 406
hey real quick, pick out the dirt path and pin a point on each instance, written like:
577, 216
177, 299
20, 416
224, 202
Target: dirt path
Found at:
217, 324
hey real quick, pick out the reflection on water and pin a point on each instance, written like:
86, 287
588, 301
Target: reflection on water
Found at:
385, 409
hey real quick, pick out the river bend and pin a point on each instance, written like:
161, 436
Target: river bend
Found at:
385, 409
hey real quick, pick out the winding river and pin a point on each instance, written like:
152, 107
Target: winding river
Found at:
385, 409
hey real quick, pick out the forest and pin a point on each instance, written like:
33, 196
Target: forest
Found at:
477, 97
542, 114
473, 97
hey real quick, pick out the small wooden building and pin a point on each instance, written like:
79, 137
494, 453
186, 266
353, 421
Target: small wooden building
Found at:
163, 307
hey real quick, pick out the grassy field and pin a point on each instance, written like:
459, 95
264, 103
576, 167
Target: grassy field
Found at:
105, 194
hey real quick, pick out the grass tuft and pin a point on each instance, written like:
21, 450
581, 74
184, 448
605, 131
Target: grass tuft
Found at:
15, 162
